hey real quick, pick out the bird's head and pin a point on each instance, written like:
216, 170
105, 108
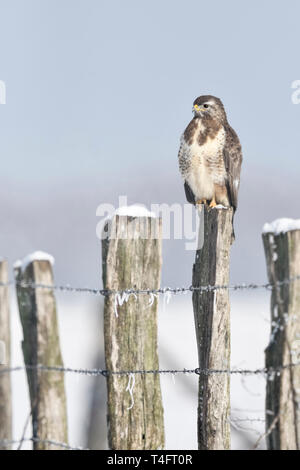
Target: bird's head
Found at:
209, 107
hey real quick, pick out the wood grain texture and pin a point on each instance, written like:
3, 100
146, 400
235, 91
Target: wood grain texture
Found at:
131, 337
212, 321
41, 346
283, 391
5, 379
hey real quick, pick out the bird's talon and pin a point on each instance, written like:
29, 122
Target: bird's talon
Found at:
201, 201
212, 204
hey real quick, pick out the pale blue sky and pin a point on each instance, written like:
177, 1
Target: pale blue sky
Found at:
98, 94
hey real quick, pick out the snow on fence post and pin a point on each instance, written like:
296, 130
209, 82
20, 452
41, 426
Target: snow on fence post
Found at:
281, 241
212, 321
37, 307
131, 256
5, 383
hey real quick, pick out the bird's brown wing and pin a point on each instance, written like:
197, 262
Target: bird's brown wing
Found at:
189, 193
233, 161
184, 162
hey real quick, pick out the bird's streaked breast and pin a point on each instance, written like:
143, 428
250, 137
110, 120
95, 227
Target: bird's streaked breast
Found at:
201, 158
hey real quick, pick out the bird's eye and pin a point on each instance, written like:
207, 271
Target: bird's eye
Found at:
205, 105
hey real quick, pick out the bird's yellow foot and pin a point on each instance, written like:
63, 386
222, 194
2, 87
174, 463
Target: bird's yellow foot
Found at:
201, 201
212, 203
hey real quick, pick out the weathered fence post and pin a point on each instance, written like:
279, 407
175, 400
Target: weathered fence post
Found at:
212, 320
37, 308
282, 249
5, 383
132, 258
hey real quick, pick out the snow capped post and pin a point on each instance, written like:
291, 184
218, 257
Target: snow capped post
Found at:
5, 384
282, 249
131, 256
212, 321
37, 308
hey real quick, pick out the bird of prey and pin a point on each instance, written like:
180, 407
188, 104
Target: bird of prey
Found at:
210, 156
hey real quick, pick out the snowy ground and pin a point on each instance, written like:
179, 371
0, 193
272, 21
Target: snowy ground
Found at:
82, 345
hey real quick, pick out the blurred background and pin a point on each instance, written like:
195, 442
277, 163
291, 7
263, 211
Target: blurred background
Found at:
97, 96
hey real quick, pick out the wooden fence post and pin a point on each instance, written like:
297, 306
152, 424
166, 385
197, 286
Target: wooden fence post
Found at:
282, 250
131, 258
212, 321
37, 308
5, 382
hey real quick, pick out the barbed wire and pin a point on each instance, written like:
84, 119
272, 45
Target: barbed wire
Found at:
247, 419
63, 445
7, 442
161, 290
233, 420
271, 371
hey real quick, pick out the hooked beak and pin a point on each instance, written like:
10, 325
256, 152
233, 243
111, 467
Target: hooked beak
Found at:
198, 108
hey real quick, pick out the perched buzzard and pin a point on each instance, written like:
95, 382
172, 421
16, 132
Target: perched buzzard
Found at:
210, 156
